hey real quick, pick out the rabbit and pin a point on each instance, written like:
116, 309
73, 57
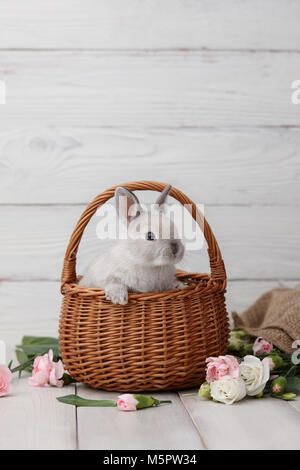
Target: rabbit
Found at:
145, 261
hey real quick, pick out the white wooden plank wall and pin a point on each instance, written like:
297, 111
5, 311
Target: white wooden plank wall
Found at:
196, 93
152, 89
150, 24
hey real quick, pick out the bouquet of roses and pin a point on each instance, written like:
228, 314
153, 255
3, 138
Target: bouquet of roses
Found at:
252, 369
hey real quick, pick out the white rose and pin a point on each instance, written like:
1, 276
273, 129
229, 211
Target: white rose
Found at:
255, 374
228, 390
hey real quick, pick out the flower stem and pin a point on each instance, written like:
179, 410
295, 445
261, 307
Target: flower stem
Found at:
20, 367
293, 368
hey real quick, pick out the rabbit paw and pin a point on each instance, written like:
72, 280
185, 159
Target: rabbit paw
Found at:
117, 294
179, 285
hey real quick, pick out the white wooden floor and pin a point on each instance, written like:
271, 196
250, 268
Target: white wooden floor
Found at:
32, 418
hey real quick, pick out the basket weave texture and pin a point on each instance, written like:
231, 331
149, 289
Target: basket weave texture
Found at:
159, 340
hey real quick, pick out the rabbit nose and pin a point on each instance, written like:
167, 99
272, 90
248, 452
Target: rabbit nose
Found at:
174, 248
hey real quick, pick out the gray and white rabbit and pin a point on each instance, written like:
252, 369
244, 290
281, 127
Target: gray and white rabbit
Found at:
145, 261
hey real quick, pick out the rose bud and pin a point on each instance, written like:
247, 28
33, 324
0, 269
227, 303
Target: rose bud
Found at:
127, 402
144, 401
277, 360
269, 360
288, 396
133, 402
204, 391
278, 385
274, 360
262, 346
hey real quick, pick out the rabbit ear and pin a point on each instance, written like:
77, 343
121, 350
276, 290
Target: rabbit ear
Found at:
163, 195
127, 204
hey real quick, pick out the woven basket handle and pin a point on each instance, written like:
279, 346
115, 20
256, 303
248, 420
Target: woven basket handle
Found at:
217, 267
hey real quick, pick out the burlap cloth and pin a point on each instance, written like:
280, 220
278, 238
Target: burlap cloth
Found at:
275, 316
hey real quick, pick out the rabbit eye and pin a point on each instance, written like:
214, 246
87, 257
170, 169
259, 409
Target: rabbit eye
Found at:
150, 236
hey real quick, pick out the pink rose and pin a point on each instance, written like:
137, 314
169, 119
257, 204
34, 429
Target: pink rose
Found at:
261, 346
46, 372
269, 361
218, 367
127, 402
5, 381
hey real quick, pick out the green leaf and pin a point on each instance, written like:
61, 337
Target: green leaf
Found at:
39, 349
78, 401
293, 383
38, 345
29, 340
21, 356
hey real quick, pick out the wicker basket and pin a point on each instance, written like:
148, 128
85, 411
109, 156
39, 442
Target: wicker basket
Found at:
159, 340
